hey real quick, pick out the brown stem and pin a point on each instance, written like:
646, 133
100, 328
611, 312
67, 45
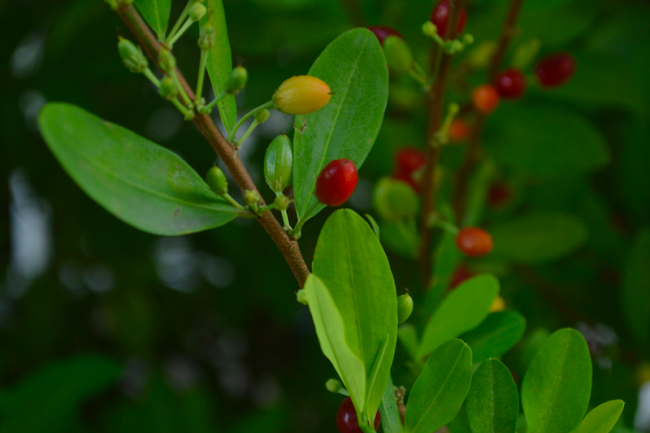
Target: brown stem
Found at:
287, 246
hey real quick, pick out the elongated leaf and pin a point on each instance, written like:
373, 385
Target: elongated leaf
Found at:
156, 14
493, 401
441, 388
219, 62
601, 419
498, 333
636, 288
557, 386
408, 335
355, 69
136, 180
462, 310
350, 261
390, 419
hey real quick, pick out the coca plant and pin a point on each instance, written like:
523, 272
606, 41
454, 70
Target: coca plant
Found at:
454, 347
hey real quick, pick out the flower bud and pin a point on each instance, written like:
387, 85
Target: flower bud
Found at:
395, 200
282, 202
302, 94
430, 29
197, 11
398, 54
251, 197
333, 385
278, 163
166, 60
404, 308
207, 37
167, 88
132, 56
217, 181
237, 80
262, 116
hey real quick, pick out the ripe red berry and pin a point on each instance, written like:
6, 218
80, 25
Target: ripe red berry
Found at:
555, 69
346, 418
511, 84
474, 242
459, 130
410, 159
461, 274
336, 183
485, 98
440, 16
382, 32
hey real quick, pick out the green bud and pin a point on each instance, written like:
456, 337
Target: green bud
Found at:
278, 163
404, 308
197, 11
525, 53
398, 54
132, 56
167, 88
301, 297
430, 29
395, 200
480, 56
282, 202
333, 385
207, 37
468, 39
251, 197
262, 116
455, 46
237, 80
217, 181
167, 60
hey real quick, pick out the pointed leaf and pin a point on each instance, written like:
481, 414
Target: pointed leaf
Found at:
156, 14
139, 182
498, 333
493, 401
601, 419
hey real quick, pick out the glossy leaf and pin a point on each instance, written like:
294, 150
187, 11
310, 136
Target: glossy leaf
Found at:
354, 67
498, 333
462, 310
493, 401
219, 64
557, 386
601, 419
156, 14
539, 237
390, 419
636, 288
136, 180
355, 269
441, 388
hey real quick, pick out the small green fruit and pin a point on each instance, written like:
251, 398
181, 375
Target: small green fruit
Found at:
262, 116
197, 11
282, 202
166, 60
404, 308
398, 54
278, 163
217, 181
333, 385
167, 88
395, 200
237, 80
132, 56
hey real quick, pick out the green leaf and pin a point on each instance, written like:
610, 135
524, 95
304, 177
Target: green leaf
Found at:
636, 288
493, 401
400, 237
557, 386
496, 335
390, 419
136, 180
219, 64
156, 13
601, 419
354, 67
54, 392
352, 264
538, 237
462, 310
408, 335
439, 391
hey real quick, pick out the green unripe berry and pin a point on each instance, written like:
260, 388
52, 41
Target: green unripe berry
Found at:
333, 385
251, 197
262, 116
430, 29
167, 88
207, 37
395, 200
217, 181
197, 11
282, 202
398, 54
166, 60
278, 163
237, 80
132, 56
404, 308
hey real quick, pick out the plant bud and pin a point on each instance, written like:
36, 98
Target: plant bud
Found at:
237, 80
217, 181
302, 94
262, 116
333, 385
251, 197
132, 56
480, 56
207, 37
197, 11
166, 60
404, 308
430, 29
398, 54
282, 202
167, 88
278, 163
395, 200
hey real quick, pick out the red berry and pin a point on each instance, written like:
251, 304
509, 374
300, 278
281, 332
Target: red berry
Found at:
555, 69
410, 159
336, 183
440, 16
499, 194
511, 84
474, 242
461, 274
459, 130
346, 418
382, 32
485, 98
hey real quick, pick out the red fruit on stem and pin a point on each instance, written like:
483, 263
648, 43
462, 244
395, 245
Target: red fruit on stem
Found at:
382, 32
485, 98
410, 159
336, 182
440, 17
511, 84
346, 418
499, 193
555, 69
461, 274
474, 242
459, 130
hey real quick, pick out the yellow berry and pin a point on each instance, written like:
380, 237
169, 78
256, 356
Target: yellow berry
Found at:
498, 305
302, 94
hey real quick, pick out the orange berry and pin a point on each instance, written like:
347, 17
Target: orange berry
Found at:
485, 98
474, 242
459, 130
302, 94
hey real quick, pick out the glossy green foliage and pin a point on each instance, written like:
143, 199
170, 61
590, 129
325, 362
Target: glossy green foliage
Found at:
602, 418
441, 388
139, 182
156, 13
462, 310
557, 386
390, 419
354, 67
636, 288
498, 333
352, 264
493, 401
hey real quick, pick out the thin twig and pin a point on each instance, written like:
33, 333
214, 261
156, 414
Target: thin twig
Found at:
224, 149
